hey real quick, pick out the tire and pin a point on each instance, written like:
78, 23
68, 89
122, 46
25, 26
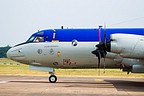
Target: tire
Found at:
52, 79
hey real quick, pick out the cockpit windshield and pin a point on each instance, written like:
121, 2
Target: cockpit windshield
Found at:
31, 39
36, 39
39, 39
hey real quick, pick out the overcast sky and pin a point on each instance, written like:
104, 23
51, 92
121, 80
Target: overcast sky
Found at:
21, 18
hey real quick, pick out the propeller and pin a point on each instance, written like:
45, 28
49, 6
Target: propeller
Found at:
105, 42
101, 48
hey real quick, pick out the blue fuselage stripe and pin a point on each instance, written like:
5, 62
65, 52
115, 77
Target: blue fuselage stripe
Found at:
87, 35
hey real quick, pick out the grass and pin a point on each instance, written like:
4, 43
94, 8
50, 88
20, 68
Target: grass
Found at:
9, 67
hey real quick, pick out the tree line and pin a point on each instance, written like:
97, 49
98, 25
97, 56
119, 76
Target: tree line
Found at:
3, 51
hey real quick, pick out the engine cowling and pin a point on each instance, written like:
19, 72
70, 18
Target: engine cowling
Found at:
137, 69
128, 45
133, 65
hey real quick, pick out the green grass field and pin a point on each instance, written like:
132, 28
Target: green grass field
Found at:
9, 67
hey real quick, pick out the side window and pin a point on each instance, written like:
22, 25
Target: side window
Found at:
39, 39
46, 39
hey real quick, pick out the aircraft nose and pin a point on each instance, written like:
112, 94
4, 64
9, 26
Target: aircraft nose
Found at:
13, 53
16, 54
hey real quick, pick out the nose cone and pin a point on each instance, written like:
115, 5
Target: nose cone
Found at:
16, 54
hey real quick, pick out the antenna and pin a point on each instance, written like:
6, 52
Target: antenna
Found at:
62, 27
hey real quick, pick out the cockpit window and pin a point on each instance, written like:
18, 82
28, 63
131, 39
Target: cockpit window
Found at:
39, 39
31, 39
35, 39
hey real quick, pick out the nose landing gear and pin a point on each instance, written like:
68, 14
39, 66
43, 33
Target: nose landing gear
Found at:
52, 79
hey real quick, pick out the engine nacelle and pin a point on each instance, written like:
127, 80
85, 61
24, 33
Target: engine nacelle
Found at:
133, 65
137, 69
128, 45
134, 69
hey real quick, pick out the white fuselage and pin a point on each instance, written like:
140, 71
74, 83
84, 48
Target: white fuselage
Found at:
61, 55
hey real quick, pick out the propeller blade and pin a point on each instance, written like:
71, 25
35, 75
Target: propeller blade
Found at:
104, 65
104, 56
99, 61
99, 33
105, 39
99, 58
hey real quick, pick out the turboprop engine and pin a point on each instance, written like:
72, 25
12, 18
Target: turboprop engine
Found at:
128, 45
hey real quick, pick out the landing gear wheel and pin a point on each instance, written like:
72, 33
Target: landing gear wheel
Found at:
52, 79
